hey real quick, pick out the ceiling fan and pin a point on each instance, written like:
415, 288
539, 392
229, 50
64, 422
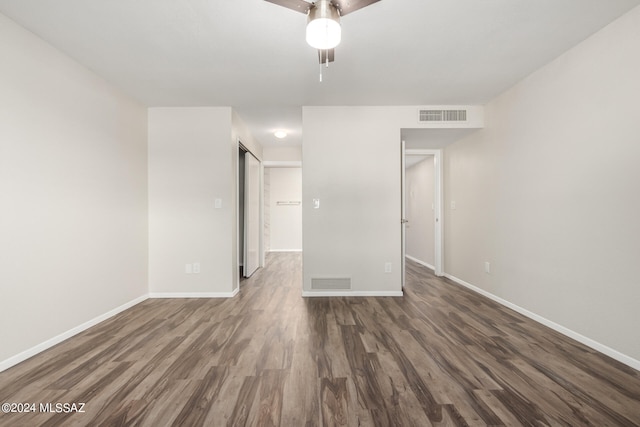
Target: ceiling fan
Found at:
323, 22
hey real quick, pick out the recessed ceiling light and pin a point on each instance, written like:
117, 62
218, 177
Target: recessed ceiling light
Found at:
280, 134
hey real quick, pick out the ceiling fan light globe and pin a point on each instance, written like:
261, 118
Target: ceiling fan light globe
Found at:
323, 33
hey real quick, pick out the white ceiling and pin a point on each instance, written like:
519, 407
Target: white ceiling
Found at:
251, 54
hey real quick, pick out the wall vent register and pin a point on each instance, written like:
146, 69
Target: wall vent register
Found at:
428, 116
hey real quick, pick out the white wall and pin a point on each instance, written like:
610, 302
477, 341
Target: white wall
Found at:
241, 133
280, 154
73, 211
354, 168
285, 220
190, 165
193, 160
419, 199
549, 192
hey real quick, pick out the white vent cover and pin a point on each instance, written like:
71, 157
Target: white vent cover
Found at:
330, 284
428, 116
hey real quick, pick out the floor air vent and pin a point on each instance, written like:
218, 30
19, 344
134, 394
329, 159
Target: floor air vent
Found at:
428, 116
331, 284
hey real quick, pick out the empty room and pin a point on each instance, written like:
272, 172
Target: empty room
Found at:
330, 213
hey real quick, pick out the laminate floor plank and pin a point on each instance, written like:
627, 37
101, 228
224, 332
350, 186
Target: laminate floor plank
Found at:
301, 401
245, 407
441, 355
407, 409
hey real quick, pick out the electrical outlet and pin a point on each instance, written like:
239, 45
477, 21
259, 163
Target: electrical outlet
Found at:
196, 267
387, 267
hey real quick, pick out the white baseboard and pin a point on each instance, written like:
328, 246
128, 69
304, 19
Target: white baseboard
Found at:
352, 294
195, 294
284, 250
20, 357
614, 354
420, 262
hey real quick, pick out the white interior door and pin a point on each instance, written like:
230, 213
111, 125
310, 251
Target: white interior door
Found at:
403, 212
251, 214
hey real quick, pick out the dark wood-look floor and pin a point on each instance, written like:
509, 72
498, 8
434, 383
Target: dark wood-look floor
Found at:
440, 355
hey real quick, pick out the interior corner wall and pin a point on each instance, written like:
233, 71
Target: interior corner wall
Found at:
419, 201
353, 168
73, 195
548, 192
241, 133
190, 166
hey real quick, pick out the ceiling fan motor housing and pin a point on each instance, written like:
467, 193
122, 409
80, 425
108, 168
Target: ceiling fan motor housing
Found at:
323, 25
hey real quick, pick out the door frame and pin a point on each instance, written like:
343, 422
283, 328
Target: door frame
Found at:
438, 204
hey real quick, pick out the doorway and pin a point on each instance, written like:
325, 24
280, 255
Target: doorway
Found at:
422, 219
283, 208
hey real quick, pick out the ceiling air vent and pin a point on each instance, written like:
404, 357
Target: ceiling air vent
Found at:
428, 116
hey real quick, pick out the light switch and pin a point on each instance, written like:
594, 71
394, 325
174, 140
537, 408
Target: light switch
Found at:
218, 203
316, 203
188, 268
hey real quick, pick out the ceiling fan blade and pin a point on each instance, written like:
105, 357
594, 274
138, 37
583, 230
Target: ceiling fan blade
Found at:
297, 5
347, 6
322, 55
